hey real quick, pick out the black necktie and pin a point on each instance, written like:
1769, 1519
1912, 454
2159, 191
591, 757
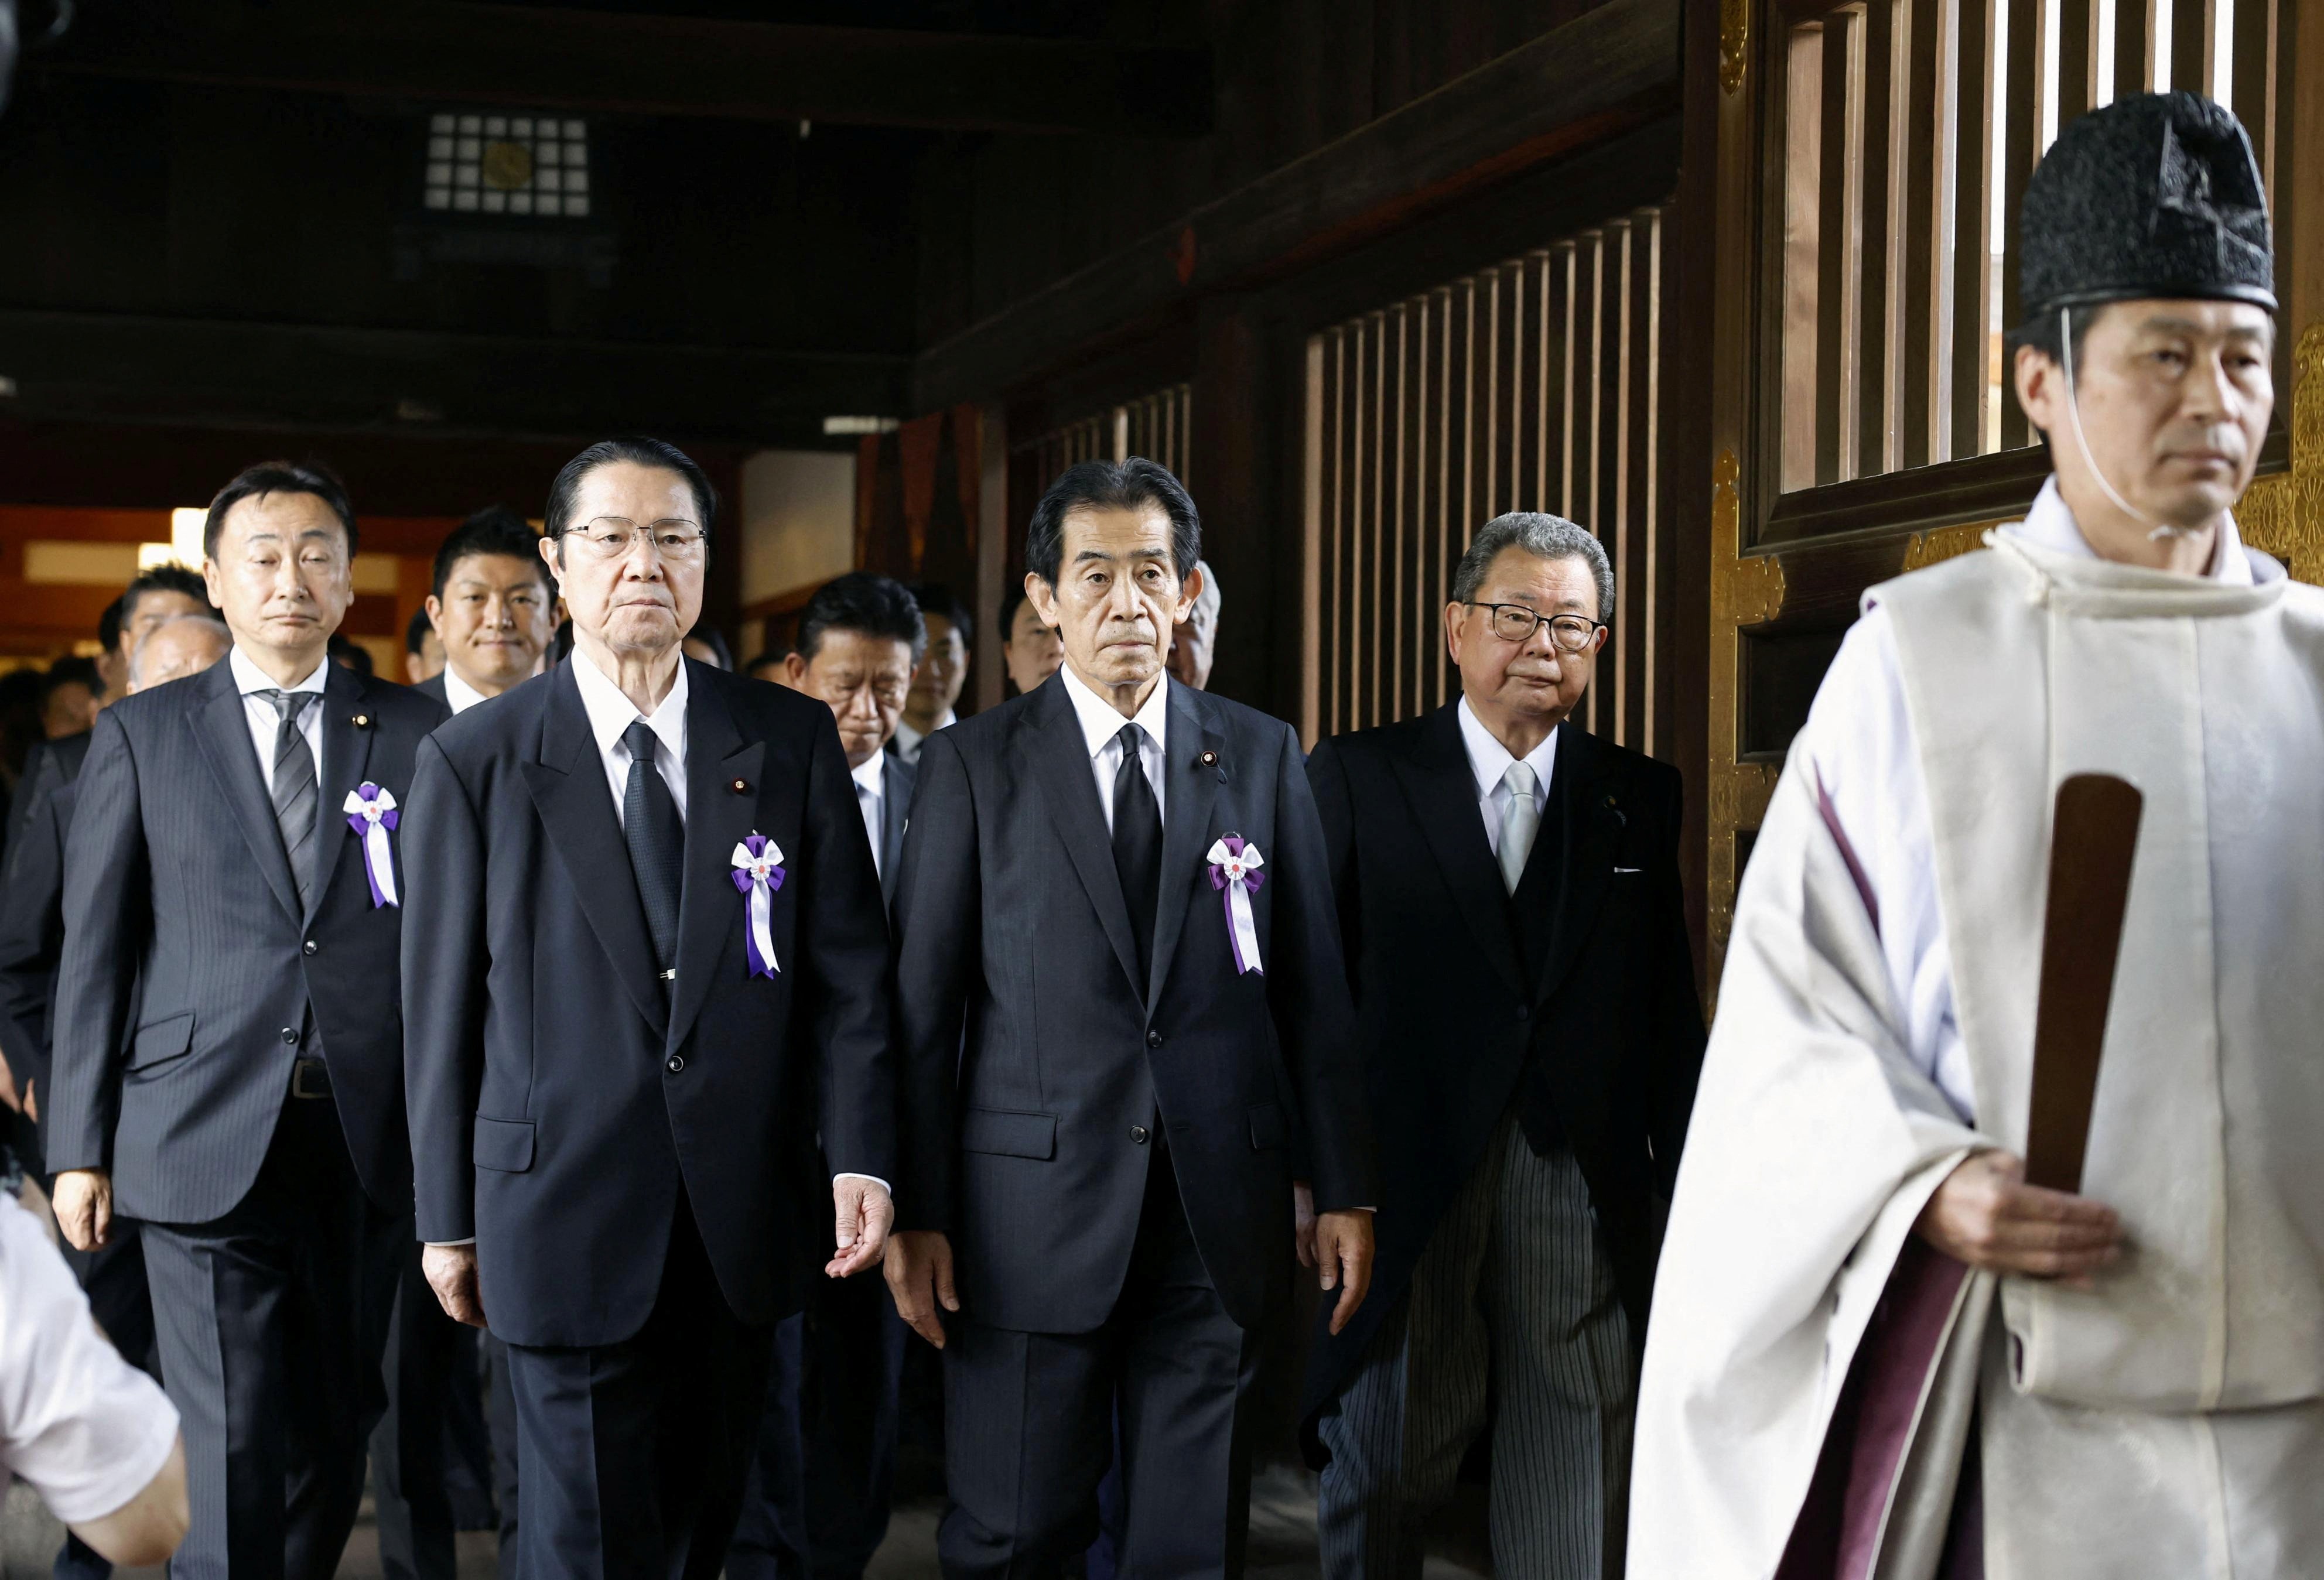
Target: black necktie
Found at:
1137, 845
657, 842
295, 792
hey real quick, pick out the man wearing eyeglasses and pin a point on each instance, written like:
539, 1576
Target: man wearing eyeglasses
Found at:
646, 939
1510, 902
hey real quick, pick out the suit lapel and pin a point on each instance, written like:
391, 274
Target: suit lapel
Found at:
895, 817
1050, 748
1591, 827
576, 809
347, 755
1192, 789
1442, 788
221, 731
710, 908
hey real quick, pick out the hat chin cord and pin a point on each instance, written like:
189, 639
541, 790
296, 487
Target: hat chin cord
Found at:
2155, 530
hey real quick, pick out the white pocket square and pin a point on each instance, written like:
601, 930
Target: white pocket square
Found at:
1629, 869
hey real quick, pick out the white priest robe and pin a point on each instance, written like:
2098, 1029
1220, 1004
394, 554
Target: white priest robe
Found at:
1876, 1023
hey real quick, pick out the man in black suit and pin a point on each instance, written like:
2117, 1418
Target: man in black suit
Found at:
818, 1503
31, 943
1116, 885
491, 610
646, 960
1509, 893
249, 1113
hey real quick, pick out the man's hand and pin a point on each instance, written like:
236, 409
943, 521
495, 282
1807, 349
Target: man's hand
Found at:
83, 1202
1302, 1221
864, 1213
451, 1273
1343, 1259
1986, 1215
920, 1276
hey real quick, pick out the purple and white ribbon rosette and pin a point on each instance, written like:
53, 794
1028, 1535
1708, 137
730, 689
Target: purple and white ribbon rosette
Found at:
757, 874
371, 812
1235, 873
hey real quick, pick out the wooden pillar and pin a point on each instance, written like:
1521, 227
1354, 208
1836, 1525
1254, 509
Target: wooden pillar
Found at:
994, 531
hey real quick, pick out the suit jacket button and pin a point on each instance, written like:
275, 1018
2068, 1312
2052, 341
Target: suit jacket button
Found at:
308, 947
1154, 1038
1139, 1134
676, 1063
290, 1035
1523, 1012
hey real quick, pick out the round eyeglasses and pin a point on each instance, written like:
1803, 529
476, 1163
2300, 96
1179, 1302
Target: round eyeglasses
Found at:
1517, 623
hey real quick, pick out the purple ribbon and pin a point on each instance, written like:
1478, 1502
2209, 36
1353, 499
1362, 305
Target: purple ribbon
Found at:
368, 795
1249, 880
758, 921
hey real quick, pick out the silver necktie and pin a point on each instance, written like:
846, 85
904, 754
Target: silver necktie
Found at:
1520, 821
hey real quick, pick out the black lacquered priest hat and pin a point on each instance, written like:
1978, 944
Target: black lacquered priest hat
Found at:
2154, 196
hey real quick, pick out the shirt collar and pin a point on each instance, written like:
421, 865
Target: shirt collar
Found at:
1101, 720
249, 677
1490, 760
2051, 525
871, 774
458, 692
611, 712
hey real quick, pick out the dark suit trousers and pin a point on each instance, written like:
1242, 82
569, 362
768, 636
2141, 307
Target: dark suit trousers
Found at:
634, 1454
1029, 1423
423, 1444
816, 1505
272, 1322
500, 1428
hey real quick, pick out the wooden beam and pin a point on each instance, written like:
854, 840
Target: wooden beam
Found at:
444, 51
1611, 69
213, 372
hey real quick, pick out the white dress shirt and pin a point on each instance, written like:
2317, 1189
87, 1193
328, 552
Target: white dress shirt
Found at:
1858, 744
265, 723
871, 791
458, 692
611, 712
1490, 760
908, 740
1101, 724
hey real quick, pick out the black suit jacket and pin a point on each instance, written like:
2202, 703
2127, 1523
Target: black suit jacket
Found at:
32, 939
562, 1096
897, 777
49, 763
433, 687
1461, 1002
178, 898
1010, 922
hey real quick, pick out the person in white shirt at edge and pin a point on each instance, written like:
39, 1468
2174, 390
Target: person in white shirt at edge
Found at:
1878, 1350
493, 609
89, 1432
942, 671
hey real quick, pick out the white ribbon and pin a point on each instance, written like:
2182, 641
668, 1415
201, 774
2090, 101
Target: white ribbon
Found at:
764, 870
374, 840
1240, 870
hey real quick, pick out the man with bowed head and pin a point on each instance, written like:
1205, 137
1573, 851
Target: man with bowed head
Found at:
625, 1042
1115, 887
228, 1061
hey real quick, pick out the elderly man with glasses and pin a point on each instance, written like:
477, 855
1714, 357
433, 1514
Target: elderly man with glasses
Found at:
1510, 901
645, 937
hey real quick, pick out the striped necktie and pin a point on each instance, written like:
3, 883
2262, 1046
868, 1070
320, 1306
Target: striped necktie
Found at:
295, 792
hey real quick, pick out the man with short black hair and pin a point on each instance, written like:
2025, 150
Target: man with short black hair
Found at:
492, 608
1149, 1029
612, 1046
229, 1055
423, 649
72, 691
1030, 651
818, 1504
943, 669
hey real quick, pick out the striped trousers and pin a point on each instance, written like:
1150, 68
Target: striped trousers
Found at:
1511, 1323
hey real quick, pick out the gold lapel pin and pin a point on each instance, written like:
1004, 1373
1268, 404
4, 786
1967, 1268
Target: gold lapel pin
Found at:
363, 721
1209, 760
741, 788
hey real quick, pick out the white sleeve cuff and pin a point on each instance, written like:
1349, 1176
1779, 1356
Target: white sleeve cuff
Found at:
448, 1245
875, 1180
